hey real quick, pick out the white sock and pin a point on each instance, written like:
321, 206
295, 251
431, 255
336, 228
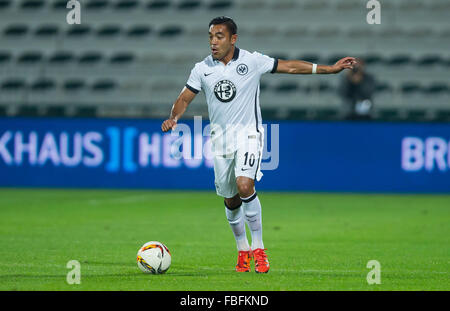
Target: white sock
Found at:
237, 224
252, 211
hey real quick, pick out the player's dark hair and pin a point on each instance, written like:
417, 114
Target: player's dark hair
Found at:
227, 21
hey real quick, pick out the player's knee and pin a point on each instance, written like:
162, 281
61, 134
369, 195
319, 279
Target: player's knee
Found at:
233, 203
245, 188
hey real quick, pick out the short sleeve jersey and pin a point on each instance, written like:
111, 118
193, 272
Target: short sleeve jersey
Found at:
232, 95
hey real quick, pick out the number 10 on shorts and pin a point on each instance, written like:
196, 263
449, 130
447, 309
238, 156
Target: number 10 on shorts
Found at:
251, 160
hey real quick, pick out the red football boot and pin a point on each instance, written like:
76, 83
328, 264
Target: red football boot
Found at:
261, 262
243, 263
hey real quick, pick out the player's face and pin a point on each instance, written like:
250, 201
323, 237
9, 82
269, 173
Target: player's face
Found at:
220, 41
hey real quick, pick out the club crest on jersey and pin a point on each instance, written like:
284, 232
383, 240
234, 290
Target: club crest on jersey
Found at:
242, 69
225, 91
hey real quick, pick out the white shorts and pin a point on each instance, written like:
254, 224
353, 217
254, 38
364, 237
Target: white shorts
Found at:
245, 161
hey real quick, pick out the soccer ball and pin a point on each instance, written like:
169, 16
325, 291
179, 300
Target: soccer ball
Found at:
154, 257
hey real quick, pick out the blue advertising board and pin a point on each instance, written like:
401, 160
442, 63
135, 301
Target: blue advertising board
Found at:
298, 156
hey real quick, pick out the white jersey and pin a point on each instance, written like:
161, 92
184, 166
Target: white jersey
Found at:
232, 95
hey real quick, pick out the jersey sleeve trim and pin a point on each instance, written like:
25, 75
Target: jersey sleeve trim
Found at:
275, 65
192, 89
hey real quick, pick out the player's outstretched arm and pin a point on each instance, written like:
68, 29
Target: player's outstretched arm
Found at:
302, 67
178, 108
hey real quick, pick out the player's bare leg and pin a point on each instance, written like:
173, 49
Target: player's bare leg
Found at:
252, 212
235, 216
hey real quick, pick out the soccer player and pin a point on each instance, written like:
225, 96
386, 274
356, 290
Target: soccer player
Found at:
230, 79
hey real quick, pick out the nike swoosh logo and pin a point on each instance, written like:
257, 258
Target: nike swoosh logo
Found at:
245, 169
207, 74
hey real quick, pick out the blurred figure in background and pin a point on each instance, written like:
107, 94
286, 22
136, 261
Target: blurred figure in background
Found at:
356, 90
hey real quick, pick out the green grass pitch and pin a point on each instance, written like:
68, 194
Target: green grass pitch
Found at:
314, 241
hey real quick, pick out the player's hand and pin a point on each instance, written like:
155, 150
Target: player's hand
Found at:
169, 124
344, 63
